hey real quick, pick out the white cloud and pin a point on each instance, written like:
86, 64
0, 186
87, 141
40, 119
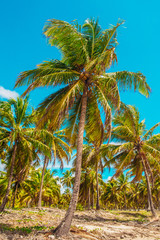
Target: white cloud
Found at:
5, 93
57, 165
107, 179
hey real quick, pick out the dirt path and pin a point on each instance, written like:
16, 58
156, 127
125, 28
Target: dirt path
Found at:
34, 224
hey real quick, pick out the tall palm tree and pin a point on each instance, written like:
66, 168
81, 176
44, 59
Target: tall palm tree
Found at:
17, 132
85, 87
60, 151
137, 149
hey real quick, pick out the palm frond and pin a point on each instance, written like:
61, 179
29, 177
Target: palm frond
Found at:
67, 38
130, 80
49, 73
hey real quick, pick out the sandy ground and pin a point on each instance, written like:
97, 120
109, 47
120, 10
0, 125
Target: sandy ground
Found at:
34, 224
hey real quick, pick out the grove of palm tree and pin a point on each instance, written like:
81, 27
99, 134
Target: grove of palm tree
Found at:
85, 123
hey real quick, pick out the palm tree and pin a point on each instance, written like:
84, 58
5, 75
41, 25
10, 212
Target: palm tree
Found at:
51, 189
110, 195
24, 160
92, 158
65, 198
123, 187
3, 183
156, 187
17, 132
60, 151
142, 193
85, 87
67, 179
88, 185
137, 149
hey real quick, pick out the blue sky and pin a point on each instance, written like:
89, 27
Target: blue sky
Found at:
22, 44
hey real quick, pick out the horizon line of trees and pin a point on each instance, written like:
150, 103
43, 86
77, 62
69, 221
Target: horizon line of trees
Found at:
118, 193
25, 177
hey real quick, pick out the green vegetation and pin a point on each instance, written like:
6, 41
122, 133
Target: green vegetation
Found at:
23, 230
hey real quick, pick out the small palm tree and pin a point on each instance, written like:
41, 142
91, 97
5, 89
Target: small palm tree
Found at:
3, 184
17, 132
123, 187
137, 149
30, 188
92, 158
110, 195
85, 87
67, 179
60, 151
24, 160
65, 198
88, 186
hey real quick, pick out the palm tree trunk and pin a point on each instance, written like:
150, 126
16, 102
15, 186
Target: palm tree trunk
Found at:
125, 202
15, 193
89, 198
149, 189
149, 205
41, 186
92, 196
10, 179
64, 226
158, 200
97, 186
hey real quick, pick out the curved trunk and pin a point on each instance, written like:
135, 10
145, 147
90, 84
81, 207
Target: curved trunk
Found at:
41, 186
15, 193
97, 186
149, 190
10, 178
64, 226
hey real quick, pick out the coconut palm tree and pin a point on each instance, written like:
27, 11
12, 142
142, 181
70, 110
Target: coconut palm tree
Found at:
85, 87
67, 179
123, 187
17, 132
3, 184
24, 160
142, 194
60, 151
137, 149
92, 158
88, 185
110, 195
51, 189
65, 198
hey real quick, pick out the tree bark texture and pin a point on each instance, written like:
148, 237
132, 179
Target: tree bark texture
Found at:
15, 193
97, 186
10, 179
41, 186
149, 189
63, 228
